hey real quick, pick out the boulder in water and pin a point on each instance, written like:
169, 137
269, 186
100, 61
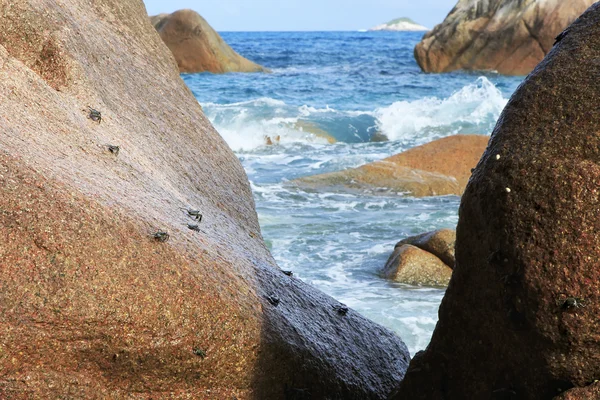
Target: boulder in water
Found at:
197, 47
441, 167
520, 316
508, 36
110, 286
411, 265
440, 243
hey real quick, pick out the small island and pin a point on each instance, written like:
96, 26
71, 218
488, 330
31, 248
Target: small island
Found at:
400, 24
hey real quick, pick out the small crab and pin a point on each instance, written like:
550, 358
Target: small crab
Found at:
195, 214
161, 236
288, 273
114, 149
193, 227
273, 300
94, 115
572, 302
199, 352
341, 309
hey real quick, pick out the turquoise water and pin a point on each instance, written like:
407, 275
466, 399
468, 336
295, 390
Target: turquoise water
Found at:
353, 86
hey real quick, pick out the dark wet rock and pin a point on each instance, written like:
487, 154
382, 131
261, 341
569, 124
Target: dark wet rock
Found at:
527, 242
508, 36
92, 305
440, 243
411, 265
197, 47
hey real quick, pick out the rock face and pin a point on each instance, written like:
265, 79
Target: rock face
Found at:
409, 264
508, 36
440, 243
520, 316
400, 24
438, 168
197, 47
91, 305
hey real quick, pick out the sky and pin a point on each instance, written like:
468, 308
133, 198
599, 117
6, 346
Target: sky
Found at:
306, 15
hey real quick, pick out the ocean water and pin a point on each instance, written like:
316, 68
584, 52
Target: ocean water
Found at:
357, 88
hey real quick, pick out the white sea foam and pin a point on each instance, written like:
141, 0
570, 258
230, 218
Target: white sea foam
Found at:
476, 104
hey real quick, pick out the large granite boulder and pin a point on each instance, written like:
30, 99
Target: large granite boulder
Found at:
440, 167
94, 302
197, 47
508, 36
520, 317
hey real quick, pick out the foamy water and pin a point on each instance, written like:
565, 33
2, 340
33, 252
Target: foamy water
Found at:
351, 87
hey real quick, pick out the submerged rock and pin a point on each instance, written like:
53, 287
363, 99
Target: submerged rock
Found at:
108, 289
441, 167
520, 316
411, 265
197, 47
508, 36
440, 243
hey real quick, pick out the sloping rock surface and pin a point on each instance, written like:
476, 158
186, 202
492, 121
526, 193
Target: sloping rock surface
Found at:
91, 305
197, 47
508, 36
437, 168
520, 316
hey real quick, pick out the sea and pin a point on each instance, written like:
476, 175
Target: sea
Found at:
365, 91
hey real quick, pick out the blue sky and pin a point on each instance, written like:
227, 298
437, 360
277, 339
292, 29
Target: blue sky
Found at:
306, 15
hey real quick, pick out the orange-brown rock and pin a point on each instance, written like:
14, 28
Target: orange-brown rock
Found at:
409, 264
590, 392
440, 243
508, 36
197, 47
520, 317
441, 167
91, 305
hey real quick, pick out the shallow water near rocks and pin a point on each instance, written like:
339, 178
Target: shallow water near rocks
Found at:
354, 87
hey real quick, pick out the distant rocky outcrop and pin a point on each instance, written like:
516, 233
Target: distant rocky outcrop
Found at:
425, 259
197, 47
520, 317
438, 168
110, 285
400, 24
508, 36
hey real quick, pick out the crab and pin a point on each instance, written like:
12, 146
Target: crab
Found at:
195, 214
572, 302
193, 227
161, 236
94, 115
341, 309
114, 149
274, 300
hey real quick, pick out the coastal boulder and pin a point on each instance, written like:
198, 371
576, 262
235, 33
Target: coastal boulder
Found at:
438, 168
440, 243
197, 47
520, 316
411, 265
110, 285
508, 36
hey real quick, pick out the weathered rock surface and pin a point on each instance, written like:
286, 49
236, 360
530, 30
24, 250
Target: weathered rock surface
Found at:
91, 306
520, 316
508, 36
440, 243
197, 47
409, 264
438, 168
